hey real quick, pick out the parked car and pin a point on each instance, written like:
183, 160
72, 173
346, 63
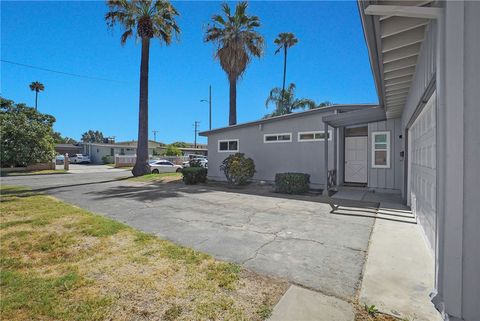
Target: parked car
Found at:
79, 159
164, 166
59, 159
202, 160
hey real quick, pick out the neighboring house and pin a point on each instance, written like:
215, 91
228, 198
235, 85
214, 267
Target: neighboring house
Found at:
422, 141
151, 144
62, 149
197, 151
98, 151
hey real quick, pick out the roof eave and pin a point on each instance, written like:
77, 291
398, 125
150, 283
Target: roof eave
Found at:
288, 116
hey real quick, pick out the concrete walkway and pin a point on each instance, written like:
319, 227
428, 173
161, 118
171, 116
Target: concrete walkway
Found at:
398, 275
399, 272
299, 304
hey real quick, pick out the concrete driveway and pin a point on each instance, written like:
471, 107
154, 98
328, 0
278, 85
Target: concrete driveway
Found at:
292, 239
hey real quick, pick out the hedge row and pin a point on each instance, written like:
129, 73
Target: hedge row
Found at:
292, 183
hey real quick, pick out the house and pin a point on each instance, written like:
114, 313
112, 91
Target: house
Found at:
151, 144
70, 149
295, 143
99, 153
422, 141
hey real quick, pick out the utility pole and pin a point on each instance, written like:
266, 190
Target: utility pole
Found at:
196, 124
209, 105
155, 135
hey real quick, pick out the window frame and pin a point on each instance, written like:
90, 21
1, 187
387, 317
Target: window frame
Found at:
227, 141
314, 139
276, 141
388, 143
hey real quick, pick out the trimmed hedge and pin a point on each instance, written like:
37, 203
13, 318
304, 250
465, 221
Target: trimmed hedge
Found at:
194, 175
292, 183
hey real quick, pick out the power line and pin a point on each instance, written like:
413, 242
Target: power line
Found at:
61, 72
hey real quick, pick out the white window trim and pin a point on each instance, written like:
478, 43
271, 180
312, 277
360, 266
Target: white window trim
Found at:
228, 140
314, 139
388, 149
276, 141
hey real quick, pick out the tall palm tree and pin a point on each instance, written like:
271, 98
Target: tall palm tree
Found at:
146, 19
37, 87
237, 42
284, 41
285, 101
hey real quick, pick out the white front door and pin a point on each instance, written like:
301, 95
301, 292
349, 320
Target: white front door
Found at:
356, 159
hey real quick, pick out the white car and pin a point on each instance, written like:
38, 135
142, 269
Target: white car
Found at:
202, 160
78, 159
164, 166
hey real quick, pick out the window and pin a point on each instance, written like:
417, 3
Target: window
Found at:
277, 138
227, 146
313, 136
381, 150
112, 152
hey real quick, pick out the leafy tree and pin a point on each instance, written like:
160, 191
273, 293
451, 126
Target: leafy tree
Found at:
92, 136
36, 87
26, 135
147, 19
288, 103
284, 41
172, 151
180, 144
323, 104
59, 139
237, 42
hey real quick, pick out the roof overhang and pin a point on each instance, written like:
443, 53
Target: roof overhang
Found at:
394, 31
355, 117
333, 108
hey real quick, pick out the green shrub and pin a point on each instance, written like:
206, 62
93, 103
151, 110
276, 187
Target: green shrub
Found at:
107, 159
194, 175
238, 169
292, 183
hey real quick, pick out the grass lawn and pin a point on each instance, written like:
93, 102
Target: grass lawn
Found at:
162, 177
40, 172
60, 262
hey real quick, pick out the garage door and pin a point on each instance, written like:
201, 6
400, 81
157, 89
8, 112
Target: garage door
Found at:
422, 175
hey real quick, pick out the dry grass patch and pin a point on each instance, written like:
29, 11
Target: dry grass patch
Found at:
59, 262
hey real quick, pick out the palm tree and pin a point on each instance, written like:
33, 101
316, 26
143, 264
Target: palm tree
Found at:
237, 42
147, 19
37, 87
285, 101
325, 103
284, 41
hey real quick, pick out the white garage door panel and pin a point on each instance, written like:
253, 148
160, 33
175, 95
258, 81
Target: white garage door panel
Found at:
422, 160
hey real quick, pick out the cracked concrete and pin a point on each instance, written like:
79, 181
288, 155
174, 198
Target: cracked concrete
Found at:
293, 239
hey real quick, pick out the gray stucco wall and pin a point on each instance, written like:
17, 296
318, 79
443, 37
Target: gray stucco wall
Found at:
471, 223
272, 158
387, 178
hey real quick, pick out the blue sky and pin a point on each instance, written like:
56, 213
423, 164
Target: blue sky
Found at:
330, 62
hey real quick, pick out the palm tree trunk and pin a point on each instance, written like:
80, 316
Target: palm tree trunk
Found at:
36, 99
284, 69
232, 120
141, 165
